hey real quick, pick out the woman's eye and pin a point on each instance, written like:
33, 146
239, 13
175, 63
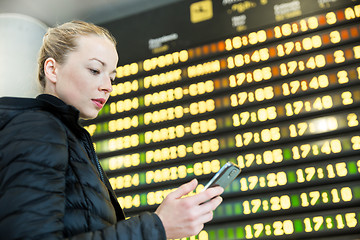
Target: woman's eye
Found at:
94, 71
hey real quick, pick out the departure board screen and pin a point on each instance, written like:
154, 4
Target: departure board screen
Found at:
272, 86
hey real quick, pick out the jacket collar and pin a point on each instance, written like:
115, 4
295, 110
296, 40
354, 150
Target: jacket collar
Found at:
58, 108
66, 113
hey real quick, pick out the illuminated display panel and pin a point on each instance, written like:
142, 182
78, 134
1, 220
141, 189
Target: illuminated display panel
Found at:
342, 169
279, 97
314, 224
282, 69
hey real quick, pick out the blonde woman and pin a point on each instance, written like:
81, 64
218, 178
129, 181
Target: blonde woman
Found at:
51, 183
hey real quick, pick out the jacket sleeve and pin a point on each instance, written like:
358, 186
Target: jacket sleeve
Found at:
146, 226
33, 162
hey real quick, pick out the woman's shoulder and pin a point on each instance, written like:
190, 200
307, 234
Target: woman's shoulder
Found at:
17, 103
23, 111
32, 123
46, 113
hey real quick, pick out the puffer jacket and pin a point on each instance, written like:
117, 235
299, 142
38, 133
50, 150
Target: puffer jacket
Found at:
51, 183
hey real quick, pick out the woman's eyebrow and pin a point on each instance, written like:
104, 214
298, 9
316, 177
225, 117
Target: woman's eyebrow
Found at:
96, 59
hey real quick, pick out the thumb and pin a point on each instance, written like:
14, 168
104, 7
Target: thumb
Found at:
184, 189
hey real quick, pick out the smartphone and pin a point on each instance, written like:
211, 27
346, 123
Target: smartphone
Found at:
224, 176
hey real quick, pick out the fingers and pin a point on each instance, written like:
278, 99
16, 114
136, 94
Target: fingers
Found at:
184, 189
210, 206
208, 194
186, 216
207, 217
205, 211
213, 192
213, 203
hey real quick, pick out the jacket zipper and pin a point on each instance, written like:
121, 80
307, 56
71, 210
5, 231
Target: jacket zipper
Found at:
94, 156
99, 167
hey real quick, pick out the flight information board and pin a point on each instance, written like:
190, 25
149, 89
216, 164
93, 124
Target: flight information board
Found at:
273, 86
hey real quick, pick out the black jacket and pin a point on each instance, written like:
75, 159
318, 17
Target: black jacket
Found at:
51, 184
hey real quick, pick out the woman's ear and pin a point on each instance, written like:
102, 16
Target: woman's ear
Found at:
50, 69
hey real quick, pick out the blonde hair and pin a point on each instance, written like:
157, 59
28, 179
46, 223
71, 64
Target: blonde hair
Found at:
61, 40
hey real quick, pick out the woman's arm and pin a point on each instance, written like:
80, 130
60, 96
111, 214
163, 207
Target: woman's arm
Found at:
34, 158
33, 162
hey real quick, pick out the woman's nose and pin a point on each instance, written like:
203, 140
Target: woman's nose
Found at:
106, 85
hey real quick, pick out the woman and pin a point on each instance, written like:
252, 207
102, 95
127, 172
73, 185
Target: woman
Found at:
51, 183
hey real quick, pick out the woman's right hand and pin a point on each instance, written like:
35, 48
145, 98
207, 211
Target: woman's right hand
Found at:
185, 216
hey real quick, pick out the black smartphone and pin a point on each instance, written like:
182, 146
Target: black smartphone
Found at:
224, 176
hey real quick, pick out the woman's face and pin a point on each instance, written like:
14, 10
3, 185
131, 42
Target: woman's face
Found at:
84, 79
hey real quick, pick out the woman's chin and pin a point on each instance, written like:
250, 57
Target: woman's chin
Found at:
89, 116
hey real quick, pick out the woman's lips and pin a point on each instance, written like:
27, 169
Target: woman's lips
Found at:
99, 102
